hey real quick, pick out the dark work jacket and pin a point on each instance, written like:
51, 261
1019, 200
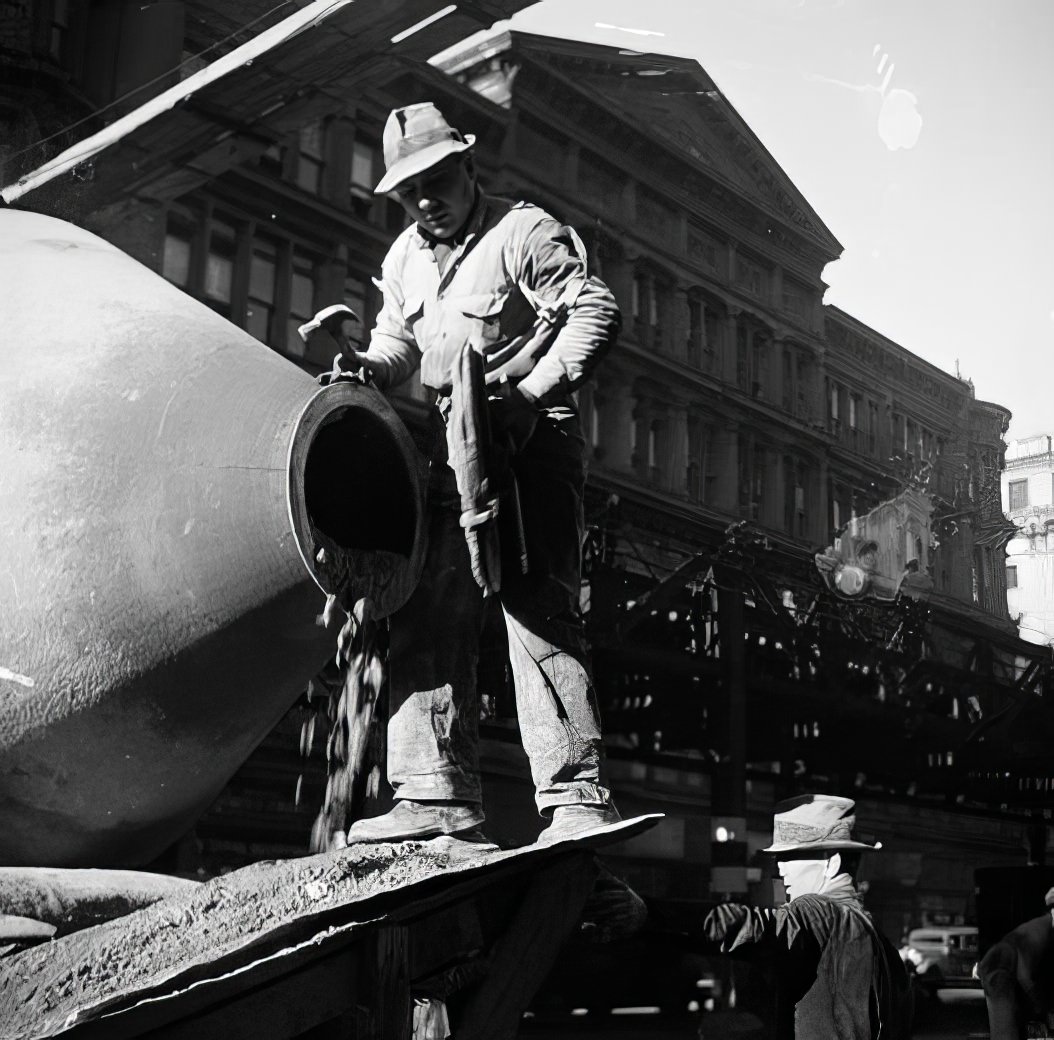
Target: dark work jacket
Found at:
841, 976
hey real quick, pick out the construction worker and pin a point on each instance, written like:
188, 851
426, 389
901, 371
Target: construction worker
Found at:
836, 975
493, 301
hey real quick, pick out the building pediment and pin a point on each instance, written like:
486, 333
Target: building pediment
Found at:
675, 100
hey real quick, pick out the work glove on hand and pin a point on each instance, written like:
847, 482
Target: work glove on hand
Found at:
484, 547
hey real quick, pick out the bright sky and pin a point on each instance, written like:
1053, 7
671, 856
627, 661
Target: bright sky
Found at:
922, 133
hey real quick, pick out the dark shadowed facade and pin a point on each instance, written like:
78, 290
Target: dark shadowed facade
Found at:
729, 673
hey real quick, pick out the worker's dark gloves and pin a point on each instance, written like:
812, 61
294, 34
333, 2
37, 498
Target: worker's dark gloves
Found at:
513, 419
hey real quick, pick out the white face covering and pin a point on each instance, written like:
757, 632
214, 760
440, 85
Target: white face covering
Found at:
801, 876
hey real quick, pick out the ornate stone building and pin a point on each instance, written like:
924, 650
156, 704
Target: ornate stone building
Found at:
1028, 502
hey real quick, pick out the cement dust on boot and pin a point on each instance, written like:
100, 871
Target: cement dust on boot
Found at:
572, 821
408, 820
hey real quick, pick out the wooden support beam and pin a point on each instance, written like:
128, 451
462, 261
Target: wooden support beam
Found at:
526, 951
389, 974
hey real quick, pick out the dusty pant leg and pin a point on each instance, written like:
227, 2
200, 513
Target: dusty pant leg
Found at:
433, 728
555, 700
559, 722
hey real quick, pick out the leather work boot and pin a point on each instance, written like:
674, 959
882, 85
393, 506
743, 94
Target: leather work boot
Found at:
570, 821
417, 821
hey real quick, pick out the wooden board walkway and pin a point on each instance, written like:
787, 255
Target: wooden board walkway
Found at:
335, 945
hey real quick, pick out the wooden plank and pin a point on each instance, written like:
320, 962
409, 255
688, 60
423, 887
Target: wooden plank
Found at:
525, 953
231, 922
284, 1008
155, 1013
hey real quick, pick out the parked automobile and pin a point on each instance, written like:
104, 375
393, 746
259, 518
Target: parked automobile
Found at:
942, 957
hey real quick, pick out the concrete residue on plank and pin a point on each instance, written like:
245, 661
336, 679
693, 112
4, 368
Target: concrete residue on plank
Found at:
45, 988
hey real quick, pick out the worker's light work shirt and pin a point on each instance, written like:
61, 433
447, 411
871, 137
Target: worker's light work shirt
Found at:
517, 289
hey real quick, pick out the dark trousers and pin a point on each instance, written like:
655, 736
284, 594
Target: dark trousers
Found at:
433, 730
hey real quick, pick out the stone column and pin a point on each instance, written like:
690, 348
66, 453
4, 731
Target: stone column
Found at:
775, 489
618, 275
677, 449
643, 328
774, 391
776, 289
682, 233
615, 427
730, 322
726, 468
679, 323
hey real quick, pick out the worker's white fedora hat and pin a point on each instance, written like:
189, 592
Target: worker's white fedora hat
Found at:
416, 138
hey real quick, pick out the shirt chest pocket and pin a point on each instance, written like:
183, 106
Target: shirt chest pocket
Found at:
494, 317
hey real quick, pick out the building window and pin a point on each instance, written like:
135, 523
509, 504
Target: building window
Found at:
711, 337
742, 357
301, 301
1011, 577
788, 381
751, 477
378, 209
872, 427
750, 276
757, 482
752, 350
692, 473
802, 398
594, 422
696, 330
699, 449
794, 503
832, 403
263, 270
310, 159
219, 267
1018, 490
355, 295
363, 164
854, 412
175, 262
759, 364
897, 434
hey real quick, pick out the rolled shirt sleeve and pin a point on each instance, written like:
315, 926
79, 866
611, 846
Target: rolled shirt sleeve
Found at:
553, 275
393, 354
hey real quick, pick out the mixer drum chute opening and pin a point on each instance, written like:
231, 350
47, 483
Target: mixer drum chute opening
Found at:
355, 497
